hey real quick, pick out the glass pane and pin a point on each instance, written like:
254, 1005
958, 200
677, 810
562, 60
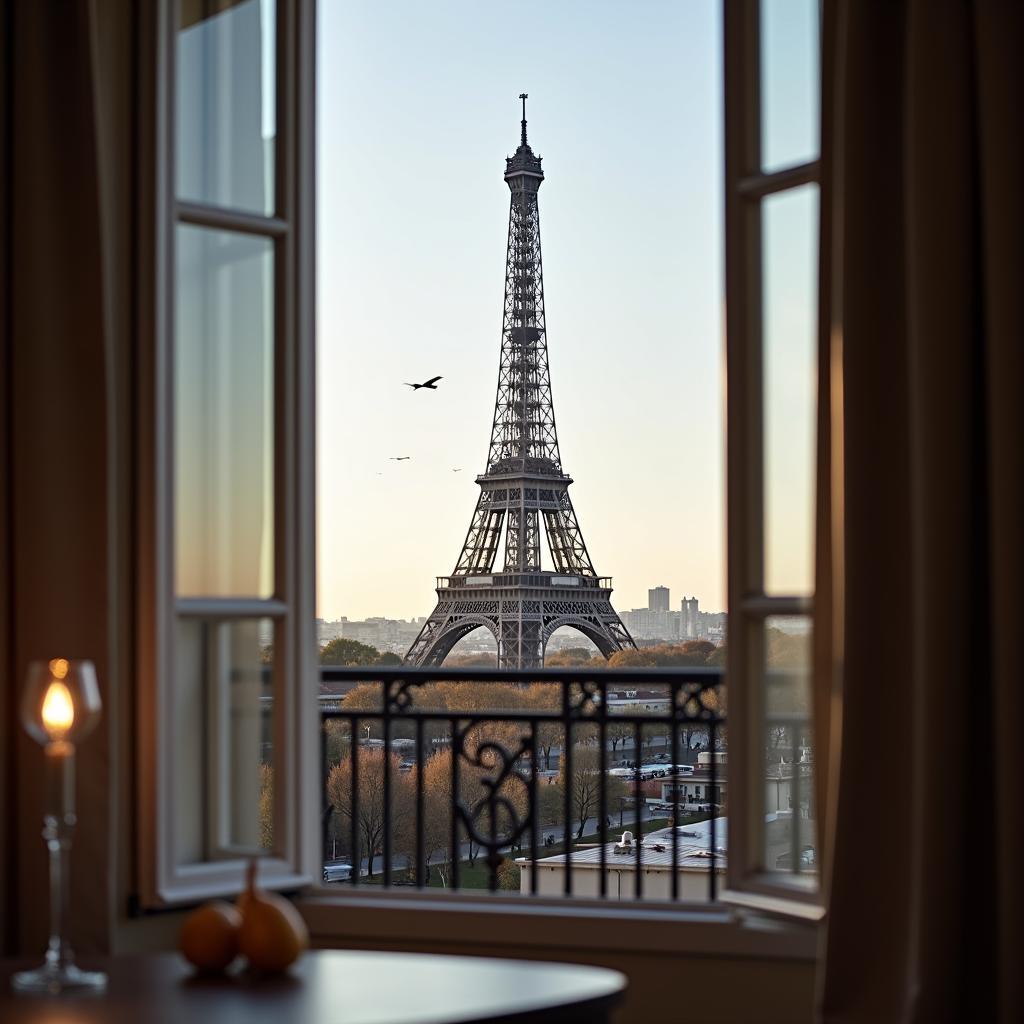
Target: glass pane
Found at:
790, 838
223, 414
790, 82
790, 227
223, 739
226, 103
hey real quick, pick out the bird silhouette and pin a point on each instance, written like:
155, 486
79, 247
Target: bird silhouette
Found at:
456, 470
431, 384
399, 458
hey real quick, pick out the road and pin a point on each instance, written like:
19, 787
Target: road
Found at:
400, 862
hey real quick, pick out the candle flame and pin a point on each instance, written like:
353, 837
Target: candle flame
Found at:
58, 710
59, 668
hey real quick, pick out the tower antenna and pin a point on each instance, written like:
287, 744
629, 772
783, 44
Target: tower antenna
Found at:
524, 97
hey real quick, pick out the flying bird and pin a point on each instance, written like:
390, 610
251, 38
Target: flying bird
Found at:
432, 384
399, 458
456, 470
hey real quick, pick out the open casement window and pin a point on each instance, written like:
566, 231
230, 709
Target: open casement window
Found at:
772, 101
227, 648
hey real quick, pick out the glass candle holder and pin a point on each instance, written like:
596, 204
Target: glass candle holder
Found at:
60, 707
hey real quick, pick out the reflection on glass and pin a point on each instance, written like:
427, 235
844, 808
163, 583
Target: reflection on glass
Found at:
790, 82
223, 711
790, 837
223, 414
226, 103
790, 274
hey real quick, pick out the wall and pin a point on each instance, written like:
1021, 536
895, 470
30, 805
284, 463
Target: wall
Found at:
621, 884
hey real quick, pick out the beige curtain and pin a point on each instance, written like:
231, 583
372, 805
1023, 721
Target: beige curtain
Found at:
926, 906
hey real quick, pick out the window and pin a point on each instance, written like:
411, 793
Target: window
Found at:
227, 445
772, 242
412, 258
226, 438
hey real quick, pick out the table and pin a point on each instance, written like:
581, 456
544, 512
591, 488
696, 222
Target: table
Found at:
330, 987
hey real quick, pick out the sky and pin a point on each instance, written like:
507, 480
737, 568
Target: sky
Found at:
417, 109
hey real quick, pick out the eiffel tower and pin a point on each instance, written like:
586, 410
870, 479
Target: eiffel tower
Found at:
523, 485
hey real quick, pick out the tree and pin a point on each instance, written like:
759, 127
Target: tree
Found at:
342, 651
437, 807
573, 656
618, 732
369, 810
585, 786
480, 660
338, 740
632, 659
508, 876
266, 806
546, 697
702, 649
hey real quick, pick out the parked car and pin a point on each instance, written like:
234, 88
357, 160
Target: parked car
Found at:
337, 872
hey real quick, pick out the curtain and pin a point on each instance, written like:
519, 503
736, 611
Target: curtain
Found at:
926, 852
58, 540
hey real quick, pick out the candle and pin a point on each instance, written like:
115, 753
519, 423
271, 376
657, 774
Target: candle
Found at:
61, 705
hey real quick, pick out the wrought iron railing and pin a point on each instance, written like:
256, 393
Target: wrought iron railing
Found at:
488, 762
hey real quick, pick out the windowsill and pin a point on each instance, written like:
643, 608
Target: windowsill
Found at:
496, 923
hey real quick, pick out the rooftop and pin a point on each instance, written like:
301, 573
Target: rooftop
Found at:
656, 851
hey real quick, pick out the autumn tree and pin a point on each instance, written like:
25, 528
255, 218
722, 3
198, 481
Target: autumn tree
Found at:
585, 785
266, 806
479, 764
369, 809
508, 876
571, 657
630, 658
437, 808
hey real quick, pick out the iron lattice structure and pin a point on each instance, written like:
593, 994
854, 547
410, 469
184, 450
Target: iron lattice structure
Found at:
523, 487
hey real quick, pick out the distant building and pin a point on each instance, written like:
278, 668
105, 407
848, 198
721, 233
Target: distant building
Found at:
658, 599
392, 635
689, 610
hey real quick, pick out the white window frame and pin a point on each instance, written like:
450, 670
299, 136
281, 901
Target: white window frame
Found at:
382, 917
294, 859
749, 883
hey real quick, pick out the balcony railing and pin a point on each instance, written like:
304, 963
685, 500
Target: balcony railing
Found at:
415, 783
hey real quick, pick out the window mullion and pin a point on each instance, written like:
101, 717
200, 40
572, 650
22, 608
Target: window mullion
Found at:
225, 219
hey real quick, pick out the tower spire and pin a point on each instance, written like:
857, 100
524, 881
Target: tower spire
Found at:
524, 97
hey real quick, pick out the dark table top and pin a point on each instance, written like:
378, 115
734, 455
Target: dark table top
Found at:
330, 987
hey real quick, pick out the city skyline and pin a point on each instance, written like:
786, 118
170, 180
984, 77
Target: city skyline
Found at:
412, 218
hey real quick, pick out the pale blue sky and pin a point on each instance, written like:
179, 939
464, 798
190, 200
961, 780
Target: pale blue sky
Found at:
417, 110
